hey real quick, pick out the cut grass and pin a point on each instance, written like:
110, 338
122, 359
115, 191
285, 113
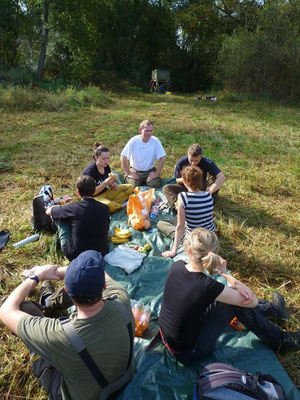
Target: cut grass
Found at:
257, 214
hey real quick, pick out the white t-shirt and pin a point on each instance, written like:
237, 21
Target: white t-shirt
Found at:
142, 155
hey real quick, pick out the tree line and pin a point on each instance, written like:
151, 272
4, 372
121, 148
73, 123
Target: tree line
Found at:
250, 46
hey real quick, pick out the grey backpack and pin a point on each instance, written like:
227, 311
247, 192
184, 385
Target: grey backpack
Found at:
224, 382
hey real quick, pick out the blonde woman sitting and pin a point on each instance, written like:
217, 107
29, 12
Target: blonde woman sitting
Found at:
196, 309
107, 190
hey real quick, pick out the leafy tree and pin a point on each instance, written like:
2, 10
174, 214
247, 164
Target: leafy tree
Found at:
10, 29
267, 60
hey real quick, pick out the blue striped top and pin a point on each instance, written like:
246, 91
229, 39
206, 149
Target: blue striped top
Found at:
198, 209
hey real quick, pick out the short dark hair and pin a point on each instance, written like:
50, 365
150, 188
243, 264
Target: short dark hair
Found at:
86, 186
195, 150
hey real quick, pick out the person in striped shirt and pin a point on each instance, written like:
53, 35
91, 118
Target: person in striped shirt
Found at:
194, 209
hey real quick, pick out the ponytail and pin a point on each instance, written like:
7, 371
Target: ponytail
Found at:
204, 247
98, 149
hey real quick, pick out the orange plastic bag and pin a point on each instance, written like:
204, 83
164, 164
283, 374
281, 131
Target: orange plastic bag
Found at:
138, 208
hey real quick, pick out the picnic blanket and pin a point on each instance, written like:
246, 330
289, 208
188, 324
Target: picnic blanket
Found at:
158, 376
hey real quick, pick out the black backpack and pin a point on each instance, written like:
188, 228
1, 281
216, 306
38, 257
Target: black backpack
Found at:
40, 220
223, 382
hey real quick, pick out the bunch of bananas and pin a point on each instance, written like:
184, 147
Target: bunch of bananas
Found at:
120, 235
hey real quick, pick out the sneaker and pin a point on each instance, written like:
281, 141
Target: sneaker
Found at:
279, 303
289, 341
47, 288
2, 300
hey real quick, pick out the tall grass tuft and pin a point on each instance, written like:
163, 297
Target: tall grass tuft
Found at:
16, 98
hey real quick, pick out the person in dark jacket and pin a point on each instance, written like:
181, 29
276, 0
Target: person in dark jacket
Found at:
82, 225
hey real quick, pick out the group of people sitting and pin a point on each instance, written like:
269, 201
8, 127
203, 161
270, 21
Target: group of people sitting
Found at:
191, 197
195, 307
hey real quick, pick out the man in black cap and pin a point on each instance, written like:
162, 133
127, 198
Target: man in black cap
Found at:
103, 324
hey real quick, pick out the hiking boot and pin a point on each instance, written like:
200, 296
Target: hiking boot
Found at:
279, 303
275, 309
47, 288
289, 341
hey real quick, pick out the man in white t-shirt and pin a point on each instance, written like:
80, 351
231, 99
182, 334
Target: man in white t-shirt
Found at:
139, 156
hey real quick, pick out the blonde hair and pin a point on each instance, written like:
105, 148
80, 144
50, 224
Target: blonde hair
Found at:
145, 123
204, 246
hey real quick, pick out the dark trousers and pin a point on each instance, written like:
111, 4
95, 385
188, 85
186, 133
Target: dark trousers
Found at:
172, 190
218, 318
49, 377
56, 303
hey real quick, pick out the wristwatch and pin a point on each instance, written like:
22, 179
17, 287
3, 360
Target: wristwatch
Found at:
34, 277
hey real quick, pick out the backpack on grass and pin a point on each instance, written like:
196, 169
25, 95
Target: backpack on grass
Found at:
40, 220
223, 382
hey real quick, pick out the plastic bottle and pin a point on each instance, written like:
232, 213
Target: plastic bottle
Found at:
27, 240
154, 212
143, 322
137, 310
143, 202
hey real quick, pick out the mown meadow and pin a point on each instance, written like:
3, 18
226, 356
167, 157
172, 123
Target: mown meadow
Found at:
48, 137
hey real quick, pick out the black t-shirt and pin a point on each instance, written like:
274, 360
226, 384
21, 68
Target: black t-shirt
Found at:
205, 164
92, 171
89, 220
186, 297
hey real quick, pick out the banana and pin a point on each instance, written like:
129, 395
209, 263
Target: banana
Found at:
122, 233
116, 239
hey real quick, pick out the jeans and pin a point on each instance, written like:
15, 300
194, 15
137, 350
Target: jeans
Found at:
64, 232
216, 320
172, 190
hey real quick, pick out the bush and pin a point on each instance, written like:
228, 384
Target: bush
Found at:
26, 99
20, 76
266, 62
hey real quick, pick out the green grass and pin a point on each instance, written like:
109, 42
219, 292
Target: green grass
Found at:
256, 145
22, 99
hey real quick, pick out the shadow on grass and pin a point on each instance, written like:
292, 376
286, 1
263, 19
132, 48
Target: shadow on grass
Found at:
250, 266
254, 217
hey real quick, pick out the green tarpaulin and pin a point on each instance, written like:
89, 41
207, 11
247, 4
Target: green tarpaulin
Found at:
158, 376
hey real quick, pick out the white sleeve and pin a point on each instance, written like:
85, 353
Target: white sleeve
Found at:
159, 150
126, 152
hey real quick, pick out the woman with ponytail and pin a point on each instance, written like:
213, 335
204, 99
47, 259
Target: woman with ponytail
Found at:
194, 209
196, 309
107, 190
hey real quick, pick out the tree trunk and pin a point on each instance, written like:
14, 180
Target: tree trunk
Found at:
45, 31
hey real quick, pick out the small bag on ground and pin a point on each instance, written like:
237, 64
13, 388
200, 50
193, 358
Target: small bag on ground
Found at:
40, 220
223, 382
4, 237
